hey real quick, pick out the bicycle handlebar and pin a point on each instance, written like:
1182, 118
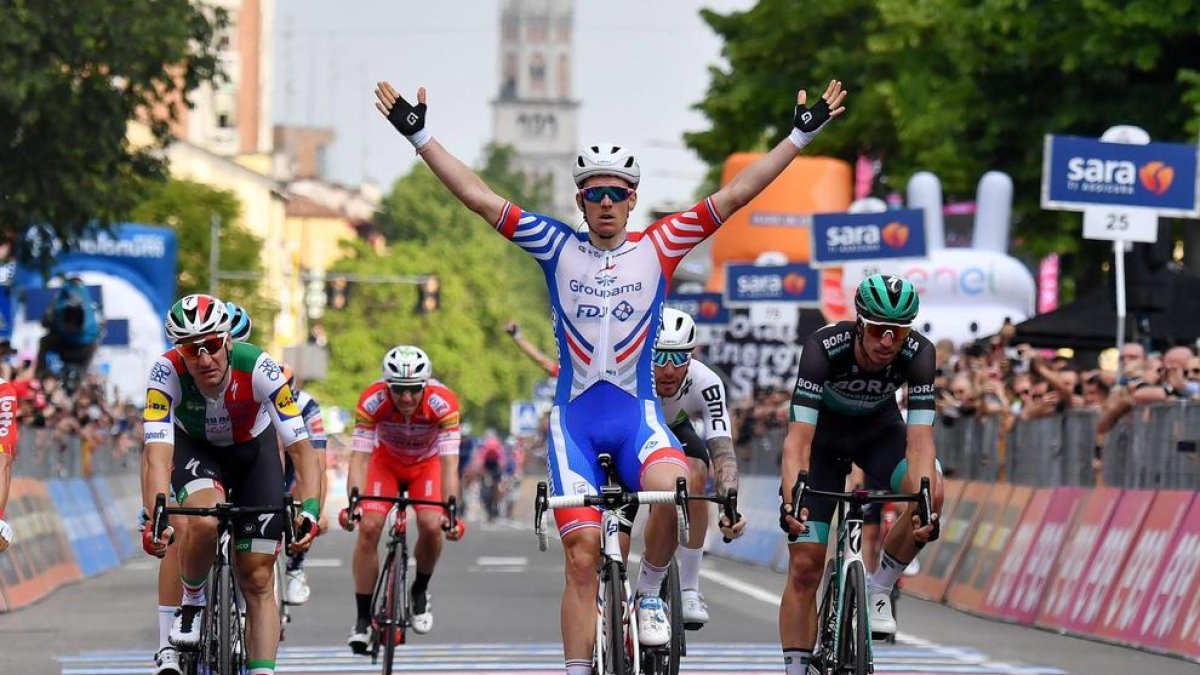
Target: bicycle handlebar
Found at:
222, 510
450, 506
609, 498
728, 507
923, 498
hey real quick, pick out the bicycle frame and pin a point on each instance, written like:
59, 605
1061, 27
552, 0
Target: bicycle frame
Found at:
611, 498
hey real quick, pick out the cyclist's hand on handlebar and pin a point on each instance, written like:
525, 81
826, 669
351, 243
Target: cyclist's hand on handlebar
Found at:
926, 534
459, 530
789, 523
156, 547
737, 530
345, 521
306, 530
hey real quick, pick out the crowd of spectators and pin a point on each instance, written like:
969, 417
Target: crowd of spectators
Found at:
52, 418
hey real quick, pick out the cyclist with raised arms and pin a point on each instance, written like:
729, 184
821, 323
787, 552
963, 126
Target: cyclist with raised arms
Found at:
406, 430
844, 409
606, 290
213, 410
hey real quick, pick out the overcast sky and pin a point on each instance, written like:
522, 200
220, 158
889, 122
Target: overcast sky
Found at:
639, 67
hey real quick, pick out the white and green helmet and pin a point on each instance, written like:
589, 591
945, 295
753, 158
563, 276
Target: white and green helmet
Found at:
887, 298
406, 364
195, 316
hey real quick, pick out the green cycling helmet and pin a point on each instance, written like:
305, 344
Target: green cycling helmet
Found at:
887, 298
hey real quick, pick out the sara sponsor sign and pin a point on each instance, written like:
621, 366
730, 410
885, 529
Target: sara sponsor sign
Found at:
1078, 172
843, 237
704, 308
797, 282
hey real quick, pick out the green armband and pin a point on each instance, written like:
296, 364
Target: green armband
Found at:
311, 507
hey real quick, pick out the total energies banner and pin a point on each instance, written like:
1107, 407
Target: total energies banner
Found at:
135, 266
1080, 172
754, 355
844, 237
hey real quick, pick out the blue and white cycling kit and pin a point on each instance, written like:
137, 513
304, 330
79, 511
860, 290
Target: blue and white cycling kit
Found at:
606, 308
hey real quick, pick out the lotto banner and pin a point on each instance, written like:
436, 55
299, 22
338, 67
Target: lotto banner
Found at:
1147, 559
1029, 589
40, 552
1004, 510
1003, 581
938, 561
1178, 593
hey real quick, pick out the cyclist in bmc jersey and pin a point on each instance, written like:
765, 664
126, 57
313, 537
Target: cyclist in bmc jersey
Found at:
848, 376
606, 290
406, 431
213, 409
8, 454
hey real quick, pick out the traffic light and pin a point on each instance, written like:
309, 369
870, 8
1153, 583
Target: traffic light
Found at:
429, 295
337, 291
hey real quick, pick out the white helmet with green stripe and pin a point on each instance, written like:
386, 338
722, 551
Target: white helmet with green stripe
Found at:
195, 316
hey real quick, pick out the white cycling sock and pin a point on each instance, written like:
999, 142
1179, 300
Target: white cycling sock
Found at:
650, 579
795, 661
166, 617
689, 567
579, 667
884, 578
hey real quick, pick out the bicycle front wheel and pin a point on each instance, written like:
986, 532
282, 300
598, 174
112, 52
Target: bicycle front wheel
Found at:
615, 657
672, 593
226, 623
854, 648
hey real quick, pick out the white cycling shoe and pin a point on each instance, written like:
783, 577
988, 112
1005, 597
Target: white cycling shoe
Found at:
883, 624
185, 631
653, 628
422, 622
695, 610
296, 591
166, 662
360, 637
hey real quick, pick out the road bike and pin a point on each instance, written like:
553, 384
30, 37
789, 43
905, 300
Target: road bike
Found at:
391, 605
222, 649
617, 650
843, 628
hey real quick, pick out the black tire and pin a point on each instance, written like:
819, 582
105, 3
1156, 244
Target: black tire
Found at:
826, 618
615, 659
854, 649
672, 593
379, 606
225, 625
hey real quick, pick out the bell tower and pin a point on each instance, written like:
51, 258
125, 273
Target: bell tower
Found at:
534, 110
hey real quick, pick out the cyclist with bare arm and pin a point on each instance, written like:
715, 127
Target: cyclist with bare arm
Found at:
606, 287
214, 408
844, 410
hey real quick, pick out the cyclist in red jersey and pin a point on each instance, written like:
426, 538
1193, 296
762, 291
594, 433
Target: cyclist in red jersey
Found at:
606, 288
8, 454
406, 431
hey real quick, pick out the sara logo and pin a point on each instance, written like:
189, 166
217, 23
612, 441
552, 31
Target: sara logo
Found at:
158, 406
895, 234
793, 283
285, 402
709, 308
1113, 176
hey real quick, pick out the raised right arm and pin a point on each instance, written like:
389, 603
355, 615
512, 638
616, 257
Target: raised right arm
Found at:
462, 181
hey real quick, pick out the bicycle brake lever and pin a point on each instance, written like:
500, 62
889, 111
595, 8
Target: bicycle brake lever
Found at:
731, 513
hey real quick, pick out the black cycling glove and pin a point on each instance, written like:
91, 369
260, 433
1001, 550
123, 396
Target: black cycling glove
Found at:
807, 122
409, 120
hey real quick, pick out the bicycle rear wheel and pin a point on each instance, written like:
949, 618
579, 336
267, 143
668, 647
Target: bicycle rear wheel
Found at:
672, 593
826, 618
226, 622
615, 656
854, 649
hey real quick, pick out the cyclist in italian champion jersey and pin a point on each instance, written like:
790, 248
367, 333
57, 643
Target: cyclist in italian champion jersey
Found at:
844, 409
606, 291
8, 454
296, 589
406, 431
213, 409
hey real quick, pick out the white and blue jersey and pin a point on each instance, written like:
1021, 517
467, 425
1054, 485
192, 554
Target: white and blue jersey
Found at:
606, 307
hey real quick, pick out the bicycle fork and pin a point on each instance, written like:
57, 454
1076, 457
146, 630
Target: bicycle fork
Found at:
612, 553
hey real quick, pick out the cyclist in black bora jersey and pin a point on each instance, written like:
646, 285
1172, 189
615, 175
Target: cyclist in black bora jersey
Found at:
849, 375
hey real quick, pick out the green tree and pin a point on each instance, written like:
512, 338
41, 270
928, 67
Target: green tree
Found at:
188, 207
485, 281
959, 87
72, 75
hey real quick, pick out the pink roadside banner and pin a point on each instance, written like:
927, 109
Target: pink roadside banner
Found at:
1001, 587
1030, 585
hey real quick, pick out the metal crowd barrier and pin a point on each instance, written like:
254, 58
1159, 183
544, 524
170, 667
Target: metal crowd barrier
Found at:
1153, 447
46, 453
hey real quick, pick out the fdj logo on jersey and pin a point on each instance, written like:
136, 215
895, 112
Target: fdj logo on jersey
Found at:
621, 312
1121, 177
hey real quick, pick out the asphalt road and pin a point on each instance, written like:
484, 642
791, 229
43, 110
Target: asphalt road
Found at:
495, 602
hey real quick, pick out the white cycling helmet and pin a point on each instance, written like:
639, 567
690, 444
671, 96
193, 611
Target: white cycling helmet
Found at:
606, 159
405, 364
678, 332
195, 316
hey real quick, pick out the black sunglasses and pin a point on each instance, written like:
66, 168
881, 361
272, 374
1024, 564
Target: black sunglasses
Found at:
401, 389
